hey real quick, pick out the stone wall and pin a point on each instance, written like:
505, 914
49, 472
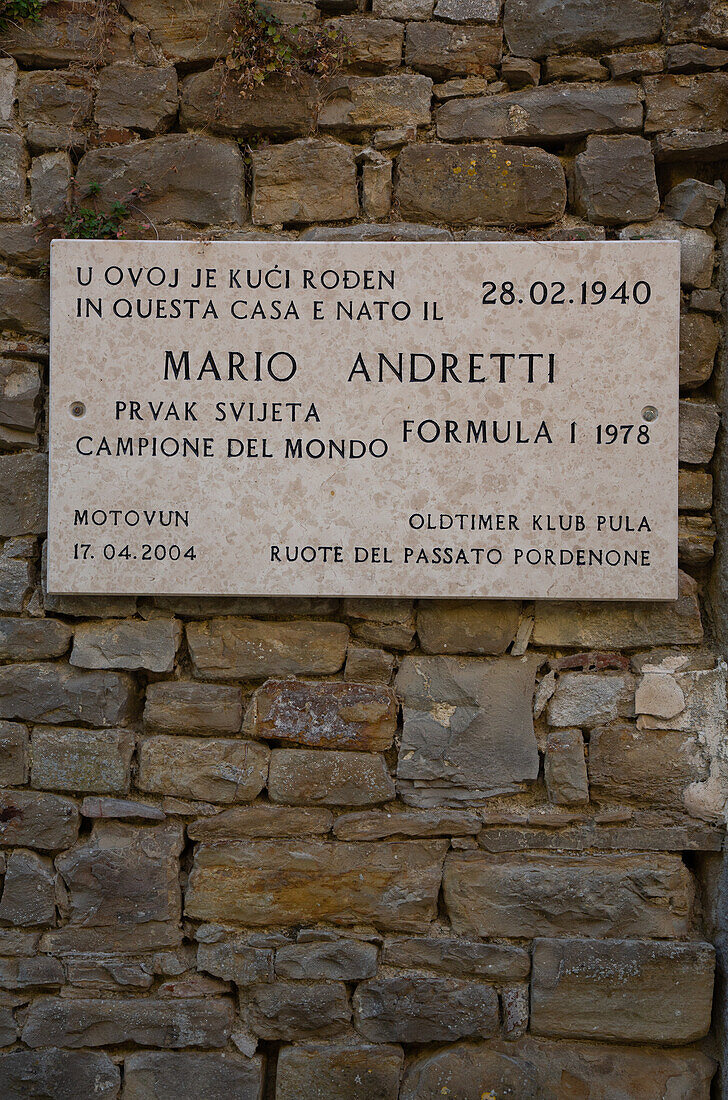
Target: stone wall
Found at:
363, 849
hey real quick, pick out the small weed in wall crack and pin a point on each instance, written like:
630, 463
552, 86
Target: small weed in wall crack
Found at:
261, 46
87, 223
13, 11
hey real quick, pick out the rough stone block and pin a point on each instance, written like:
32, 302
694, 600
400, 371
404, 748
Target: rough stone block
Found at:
365, 665
440, 50
573, 67
704, 22
697, 247
695, 490
26, 246
24, 307
8, 85
638, 991
404, 10
120, 809
89, 607
373, 44
235, 960
621, 625
13, 161
155, 1075
538, 27
634, 64
551, 113
482, 627
694, 203
50, 185
680, 102
537, 1069
323, 777
304, 181
195, 32
615, 180
699, 339
376, 824
296, 1010
25, 973
526, 895
270, 883
468, 11
279, 106
707, 300
392, 231
59, 693
458, 86
29, 890
468, 725
480, 183
354, 103
74, 940
693, 58
382, 622
58, 1074
14, 744
262, 820
67, 33
247, 649
588, 699
33, 639
458, 958
211, 768
699, 422
424, 1010
54, 107
520, 72
130, 644
376, 185
330, 960
16, 584
189, 177
654, 766
181, 706
565, 768
44, 821
339, 1071
339, 715
169, 1023
23, 494
20, 390
124, 876
98, 761
137, 97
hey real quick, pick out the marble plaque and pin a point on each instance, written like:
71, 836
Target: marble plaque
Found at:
366, 419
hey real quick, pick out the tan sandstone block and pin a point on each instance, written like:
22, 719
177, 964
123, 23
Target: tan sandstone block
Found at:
526, 894
277, 883
212, 768
323, 777
304, 181
463, 184
621, 625
246, 649
639, 991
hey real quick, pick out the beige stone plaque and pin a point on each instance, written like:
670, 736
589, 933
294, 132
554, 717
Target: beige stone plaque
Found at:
422, 419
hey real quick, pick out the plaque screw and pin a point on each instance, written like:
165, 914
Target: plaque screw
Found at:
78, 408
649, 413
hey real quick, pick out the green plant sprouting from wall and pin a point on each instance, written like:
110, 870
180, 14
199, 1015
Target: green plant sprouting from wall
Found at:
88, 223
14, 11
261, 46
